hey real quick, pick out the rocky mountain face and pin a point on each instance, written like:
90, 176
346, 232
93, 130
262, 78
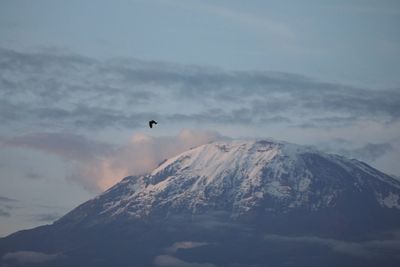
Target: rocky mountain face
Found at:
229, 203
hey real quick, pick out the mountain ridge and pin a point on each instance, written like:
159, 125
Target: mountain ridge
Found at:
237, 170
229, 203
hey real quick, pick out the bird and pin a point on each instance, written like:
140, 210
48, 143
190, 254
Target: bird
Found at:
151, 123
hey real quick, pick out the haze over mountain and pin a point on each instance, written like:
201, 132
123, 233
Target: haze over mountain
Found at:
228, 203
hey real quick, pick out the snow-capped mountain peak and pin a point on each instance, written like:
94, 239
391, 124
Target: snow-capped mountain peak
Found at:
221, 158
242, 176
271, 200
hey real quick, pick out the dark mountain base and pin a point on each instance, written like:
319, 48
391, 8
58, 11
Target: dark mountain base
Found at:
207, 240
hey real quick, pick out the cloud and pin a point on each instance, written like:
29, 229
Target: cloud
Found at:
98, 165
7, 199
33, 175
141, 155
368, 152
6, 204
68, 93
26, 257
4, 213
46, 217
58, 90
68, 145
184, 245
365, 249
172, 261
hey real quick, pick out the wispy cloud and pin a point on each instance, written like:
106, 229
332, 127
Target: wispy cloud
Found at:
4, 213
46, 217
98, 165
27, 257
368, 152
141, 155
33, 175
363, 249
69, 146
184, 245
73, 92
7, 199
6, 206
169, 260
67, 94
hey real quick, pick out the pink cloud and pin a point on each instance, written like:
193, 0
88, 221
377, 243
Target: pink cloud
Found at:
97, 165
141, 155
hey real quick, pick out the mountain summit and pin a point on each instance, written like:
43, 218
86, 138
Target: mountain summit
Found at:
244, 177
239, 197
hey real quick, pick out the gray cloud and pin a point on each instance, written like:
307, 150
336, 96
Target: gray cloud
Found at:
368, 152
366, 249
184, 245
7, 199
329, 122
4, 213
69, 146
33, 175
275, 92
56, 89
25, 257
6, 205
46, 217
67, 94
99, 165
169, 260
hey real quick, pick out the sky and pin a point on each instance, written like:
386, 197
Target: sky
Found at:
79, 81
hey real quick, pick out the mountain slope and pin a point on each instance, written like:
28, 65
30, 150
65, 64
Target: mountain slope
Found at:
241, 176
230, 201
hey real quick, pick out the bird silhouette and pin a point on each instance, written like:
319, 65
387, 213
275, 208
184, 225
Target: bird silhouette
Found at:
151, 123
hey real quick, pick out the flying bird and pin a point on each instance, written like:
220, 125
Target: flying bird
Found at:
151, 123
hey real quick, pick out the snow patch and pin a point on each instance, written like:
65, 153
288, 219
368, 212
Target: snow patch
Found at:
237, 176
277, 190
389, 201
304, 184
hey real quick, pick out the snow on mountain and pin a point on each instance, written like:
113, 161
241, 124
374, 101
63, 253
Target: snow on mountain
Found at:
240, 177
247, 202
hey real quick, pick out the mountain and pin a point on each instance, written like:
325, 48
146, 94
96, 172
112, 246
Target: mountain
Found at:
229, 203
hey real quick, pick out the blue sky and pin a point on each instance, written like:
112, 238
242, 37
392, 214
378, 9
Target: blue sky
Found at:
79, 81
345, 41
